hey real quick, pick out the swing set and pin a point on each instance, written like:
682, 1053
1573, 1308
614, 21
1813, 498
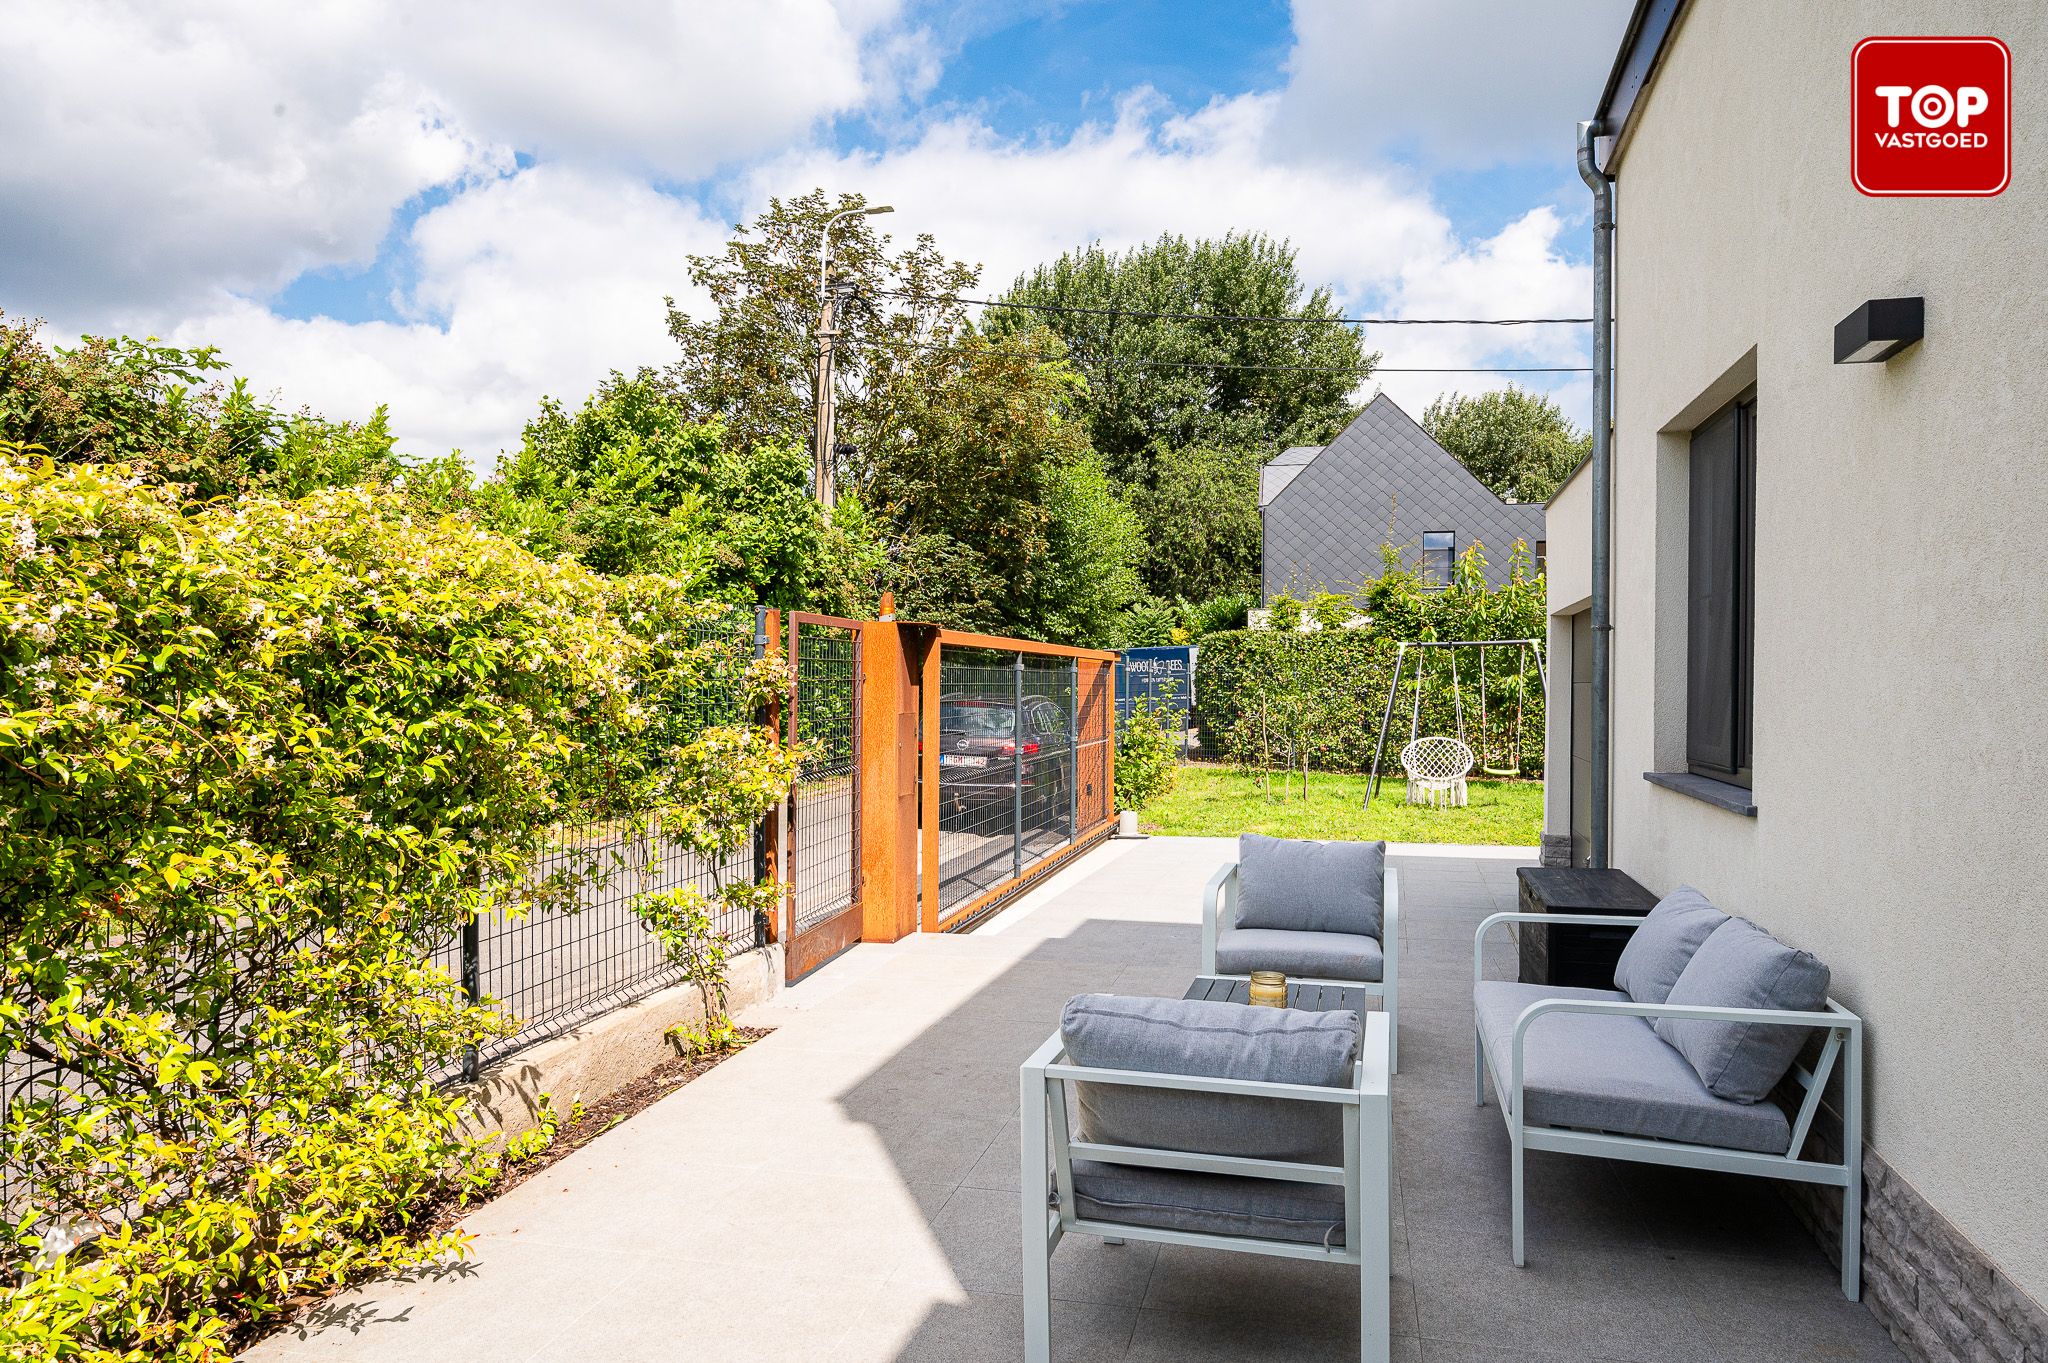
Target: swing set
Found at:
1437, 765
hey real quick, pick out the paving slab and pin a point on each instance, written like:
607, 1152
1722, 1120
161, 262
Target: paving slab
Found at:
845, 1189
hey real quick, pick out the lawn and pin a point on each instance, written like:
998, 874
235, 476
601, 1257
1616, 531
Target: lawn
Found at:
1216, 801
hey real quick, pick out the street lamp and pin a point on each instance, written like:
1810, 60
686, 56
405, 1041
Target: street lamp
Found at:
821, 457
825, 238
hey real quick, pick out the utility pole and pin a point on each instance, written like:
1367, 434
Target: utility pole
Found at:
821, 456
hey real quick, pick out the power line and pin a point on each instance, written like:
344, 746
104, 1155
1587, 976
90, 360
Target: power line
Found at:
1144, 315
1363, 370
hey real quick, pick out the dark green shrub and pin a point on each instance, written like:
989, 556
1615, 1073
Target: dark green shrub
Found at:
1324, 692
1146, 743
258, 759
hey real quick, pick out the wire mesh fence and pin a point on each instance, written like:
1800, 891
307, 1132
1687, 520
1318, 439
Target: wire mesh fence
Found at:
1020, 772
556, 968
825, 856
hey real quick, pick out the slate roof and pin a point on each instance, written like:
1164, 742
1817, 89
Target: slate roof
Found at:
1326, 511
1279, 471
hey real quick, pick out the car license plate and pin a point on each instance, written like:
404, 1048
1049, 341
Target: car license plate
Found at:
953, 759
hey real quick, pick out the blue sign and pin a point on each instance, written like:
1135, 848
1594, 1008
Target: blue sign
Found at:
1165, 676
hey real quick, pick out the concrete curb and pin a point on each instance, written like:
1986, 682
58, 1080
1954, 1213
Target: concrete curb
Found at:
606, 1053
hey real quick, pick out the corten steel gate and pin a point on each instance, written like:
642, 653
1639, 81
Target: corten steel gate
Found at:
821, 838
1018, 765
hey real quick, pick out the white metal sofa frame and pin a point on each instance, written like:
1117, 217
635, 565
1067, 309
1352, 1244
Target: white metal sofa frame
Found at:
1049, 1213
1844, 1032
1219, 912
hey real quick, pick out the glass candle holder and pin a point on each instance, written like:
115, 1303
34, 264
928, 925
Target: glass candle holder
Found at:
1268, 989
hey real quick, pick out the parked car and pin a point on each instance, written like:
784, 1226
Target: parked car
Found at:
980, 762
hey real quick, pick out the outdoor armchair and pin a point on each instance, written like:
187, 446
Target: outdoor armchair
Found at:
1672, 1068
1321, 912
1211, 1125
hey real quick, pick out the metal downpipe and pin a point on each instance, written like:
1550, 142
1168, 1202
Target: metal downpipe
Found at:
1603, 487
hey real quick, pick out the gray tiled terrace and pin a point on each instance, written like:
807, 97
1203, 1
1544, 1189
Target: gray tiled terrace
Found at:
846, 1189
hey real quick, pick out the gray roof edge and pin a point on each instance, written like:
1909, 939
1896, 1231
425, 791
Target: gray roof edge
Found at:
1273, 481
1577, 469
1643, 44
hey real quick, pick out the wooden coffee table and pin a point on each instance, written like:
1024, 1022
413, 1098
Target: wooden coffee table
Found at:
1308, 996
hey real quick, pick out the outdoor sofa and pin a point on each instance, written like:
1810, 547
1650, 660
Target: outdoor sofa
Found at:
1213, 1125
1678, 1064
1320, 912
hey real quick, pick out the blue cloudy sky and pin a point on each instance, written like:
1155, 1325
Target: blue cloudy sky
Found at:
458, 206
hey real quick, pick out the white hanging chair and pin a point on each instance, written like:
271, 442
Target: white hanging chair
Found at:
1437, 767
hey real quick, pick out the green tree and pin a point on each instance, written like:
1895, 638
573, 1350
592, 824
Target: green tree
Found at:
1096, 543
1515, 441
750, 362
1168, 383
175, 415
630, 483
958, 439
1201, 521
965, 492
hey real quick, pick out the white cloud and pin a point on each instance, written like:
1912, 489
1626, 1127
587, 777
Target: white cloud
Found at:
678, 88
171, 169
1464, 83
1518, 272
548, 279
151, 158
1375, 238
158, 154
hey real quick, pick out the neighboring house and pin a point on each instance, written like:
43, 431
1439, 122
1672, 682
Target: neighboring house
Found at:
1327, 509
1829, 618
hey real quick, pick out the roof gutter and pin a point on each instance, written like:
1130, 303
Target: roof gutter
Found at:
1603, 484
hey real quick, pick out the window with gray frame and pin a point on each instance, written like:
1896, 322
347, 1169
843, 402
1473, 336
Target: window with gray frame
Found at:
1721, 594
1439, 551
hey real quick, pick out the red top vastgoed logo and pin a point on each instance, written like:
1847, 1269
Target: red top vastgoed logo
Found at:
1930, 116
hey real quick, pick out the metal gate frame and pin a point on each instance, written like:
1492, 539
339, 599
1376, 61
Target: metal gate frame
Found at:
804, 949
1091, 816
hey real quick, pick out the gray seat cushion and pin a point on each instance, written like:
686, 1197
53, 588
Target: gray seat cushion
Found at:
1614, 1074
1220, 1040
1742, 966
1300, 885
1212, 1204
1311, 955
1658, 950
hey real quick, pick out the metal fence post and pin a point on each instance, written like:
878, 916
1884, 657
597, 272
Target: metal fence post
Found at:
1073, 749
1017, 783
472, 983
761, 867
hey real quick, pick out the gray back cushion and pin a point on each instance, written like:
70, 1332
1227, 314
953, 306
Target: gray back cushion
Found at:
1658, 951
1220, 1040
1301, 885
1742, 966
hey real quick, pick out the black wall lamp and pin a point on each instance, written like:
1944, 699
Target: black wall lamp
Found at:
1878, 330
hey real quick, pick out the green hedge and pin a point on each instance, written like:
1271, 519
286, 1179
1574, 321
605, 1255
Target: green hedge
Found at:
1327, 691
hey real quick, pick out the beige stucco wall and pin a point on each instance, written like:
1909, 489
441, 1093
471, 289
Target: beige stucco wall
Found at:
1568, 584
1901, 737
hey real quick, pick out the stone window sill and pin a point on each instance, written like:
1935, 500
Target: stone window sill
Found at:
1720, 794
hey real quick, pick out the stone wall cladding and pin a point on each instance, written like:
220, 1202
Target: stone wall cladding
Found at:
1939, 1296
1556, 850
